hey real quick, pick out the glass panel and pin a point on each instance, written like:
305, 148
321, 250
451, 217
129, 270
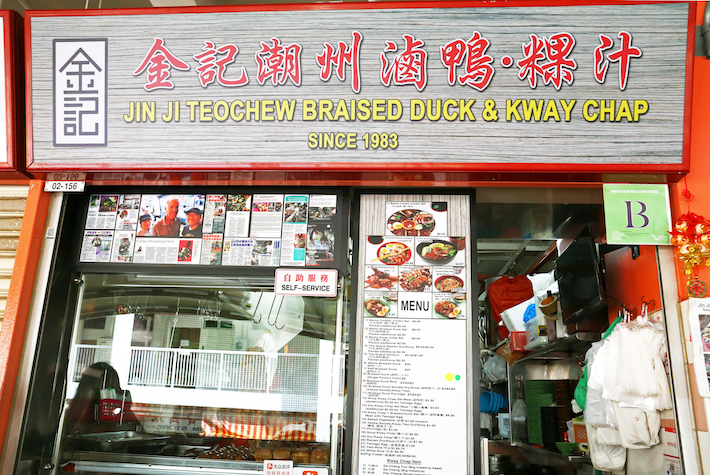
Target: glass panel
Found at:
189, 367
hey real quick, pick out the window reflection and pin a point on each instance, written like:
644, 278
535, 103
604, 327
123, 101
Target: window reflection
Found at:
220, 368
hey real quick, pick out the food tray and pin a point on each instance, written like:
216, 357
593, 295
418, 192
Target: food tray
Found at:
124, 441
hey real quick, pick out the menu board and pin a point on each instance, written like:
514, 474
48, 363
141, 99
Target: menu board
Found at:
412, 415
415, 277
217, 229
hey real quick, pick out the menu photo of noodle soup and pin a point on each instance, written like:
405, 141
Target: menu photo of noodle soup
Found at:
444, 251
389, 251
451, 280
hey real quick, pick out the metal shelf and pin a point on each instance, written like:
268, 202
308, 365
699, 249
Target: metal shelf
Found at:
563, 348
536, 451
105, 462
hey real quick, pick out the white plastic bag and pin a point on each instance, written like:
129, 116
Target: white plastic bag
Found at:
494, 369
541, 282
599, 411
606, 458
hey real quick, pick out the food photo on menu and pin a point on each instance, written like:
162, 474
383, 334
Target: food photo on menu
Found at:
380, 278
449, 283
451, 280
391, 251
417, 218
445, 251
411, 222
450, 306
415, 279
380, 304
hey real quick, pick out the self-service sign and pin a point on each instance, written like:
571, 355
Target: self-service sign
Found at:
306, 282
637, 214
278, 467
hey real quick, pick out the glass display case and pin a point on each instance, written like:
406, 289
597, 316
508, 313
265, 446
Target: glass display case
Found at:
171, 373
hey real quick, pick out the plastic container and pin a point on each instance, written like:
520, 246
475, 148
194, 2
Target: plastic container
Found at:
548, 305
535, 327
535, 332
566, 448
518, 340
519, 419
504, 425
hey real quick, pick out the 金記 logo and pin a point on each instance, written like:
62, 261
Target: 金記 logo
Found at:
80, 92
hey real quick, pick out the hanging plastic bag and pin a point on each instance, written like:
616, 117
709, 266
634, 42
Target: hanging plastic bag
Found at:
494, 369
598, 411
606, 458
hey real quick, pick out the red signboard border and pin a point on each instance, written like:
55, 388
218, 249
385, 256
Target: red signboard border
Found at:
673, 171
14, 160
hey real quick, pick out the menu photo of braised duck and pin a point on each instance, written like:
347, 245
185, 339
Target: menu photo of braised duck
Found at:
381, 278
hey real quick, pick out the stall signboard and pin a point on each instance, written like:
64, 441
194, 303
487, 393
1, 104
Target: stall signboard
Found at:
233, 228
467, 86
637, 214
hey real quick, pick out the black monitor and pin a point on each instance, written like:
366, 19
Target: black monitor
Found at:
580, 279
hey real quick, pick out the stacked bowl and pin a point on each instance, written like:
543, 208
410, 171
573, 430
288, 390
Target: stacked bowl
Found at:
492, 402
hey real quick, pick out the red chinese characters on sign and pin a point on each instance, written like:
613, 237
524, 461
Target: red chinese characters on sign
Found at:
407, 67
333, 58
158, 61
316, 283
465, 61
279, 63
212, 68
555, 51
623, 56
479, 71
